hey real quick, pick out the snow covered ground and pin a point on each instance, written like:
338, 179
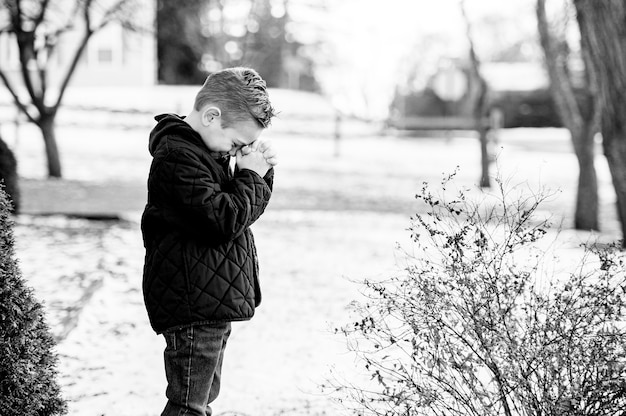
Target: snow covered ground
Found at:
333, 219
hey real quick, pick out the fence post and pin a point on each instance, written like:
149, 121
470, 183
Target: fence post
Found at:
337, 133
496, 124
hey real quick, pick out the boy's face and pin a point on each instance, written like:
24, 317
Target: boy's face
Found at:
232, 138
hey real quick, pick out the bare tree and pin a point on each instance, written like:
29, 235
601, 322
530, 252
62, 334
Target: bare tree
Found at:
36, 26
603, 40
479, 104
580, 121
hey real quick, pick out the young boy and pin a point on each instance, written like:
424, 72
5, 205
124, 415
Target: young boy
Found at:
201, 270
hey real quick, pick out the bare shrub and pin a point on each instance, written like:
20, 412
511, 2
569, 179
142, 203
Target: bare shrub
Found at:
481, 322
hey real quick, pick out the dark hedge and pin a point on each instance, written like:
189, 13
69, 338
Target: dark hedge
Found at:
8, 173
28, 372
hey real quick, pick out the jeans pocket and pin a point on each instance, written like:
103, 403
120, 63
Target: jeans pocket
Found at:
170, 340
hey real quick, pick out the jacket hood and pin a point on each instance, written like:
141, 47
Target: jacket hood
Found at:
169, 124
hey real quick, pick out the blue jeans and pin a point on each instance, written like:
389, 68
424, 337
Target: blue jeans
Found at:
193, 366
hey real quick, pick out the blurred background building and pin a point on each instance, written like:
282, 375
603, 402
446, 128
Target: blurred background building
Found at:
116, 55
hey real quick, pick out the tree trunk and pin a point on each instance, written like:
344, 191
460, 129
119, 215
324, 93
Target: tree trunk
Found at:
479, 109
485, 158
615, 151
586, 216
46, 124
581, 124
603, 38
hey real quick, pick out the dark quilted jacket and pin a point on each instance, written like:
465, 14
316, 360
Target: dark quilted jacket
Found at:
201, 264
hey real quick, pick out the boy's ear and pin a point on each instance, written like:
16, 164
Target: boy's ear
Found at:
210, 114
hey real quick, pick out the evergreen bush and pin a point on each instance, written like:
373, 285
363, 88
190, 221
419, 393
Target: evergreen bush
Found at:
28, 384
8, 173
482, 322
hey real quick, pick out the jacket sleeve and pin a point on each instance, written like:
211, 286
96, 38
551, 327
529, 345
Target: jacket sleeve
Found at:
269, 178
201, 205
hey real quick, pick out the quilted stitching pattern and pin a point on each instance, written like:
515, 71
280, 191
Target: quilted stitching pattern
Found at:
201, 263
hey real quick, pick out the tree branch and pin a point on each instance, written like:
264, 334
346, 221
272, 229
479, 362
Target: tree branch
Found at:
17, 17
71, 17
26, 53
25, 43
42, 70
560, 83
79, 51
16, 98
110, 14
70, 71
42, 13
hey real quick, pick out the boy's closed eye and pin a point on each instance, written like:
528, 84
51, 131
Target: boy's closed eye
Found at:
254, 146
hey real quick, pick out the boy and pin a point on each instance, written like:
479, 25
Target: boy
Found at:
201, 270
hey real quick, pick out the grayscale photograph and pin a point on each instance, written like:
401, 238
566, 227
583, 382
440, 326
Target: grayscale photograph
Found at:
312, 207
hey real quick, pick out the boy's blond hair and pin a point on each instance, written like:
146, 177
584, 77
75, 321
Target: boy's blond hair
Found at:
240, 93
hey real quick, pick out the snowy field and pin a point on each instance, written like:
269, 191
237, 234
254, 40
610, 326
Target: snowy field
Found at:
337, 212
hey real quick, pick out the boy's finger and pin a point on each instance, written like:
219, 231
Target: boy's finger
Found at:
264, 146
269, 153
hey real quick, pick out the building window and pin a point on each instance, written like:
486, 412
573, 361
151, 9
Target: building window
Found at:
105, 56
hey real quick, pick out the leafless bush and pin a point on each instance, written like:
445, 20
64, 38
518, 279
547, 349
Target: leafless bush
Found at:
482, 323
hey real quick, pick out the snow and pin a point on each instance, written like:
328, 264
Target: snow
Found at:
333, 220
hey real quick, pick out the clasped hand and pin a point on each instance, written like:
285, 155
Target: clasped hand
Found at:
259, 156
